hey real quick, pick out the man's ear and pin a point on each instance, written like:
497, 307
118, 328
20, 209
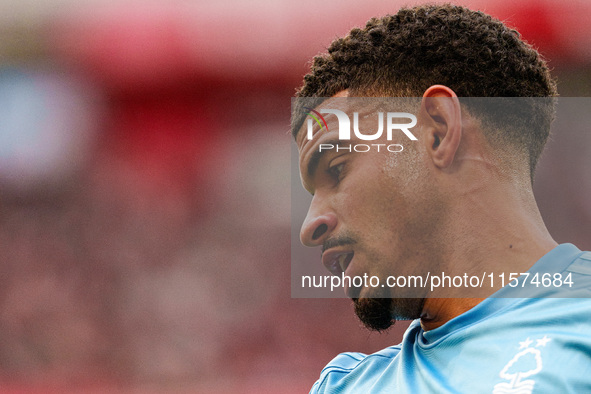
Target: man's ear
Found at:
441, 107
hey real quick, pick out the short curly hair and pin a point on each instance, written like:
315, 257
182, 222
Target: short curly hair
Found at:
474, 54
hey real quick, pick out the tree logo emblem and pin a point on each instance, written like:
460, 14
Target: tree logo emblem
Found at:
524, 364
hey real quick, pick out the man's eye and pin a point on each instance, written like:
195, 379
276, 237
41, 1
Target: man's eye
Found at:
336, 171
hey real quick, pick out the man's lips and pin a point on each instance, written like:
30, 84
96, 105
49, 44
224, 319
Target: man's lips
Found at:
337, 261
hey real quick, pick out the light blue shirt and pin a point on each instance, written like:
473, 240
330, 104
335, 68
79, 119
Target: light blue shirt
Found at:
503, 345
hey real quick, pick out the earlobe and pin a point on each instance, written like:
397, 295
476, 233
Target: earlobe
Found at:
442, 109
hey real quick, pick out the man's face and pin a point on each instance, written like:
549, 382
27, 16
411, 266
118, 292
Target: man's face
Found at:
372, 212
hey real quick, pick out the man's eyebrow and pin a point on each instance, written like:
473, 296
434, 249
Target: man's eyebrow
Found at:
317, 156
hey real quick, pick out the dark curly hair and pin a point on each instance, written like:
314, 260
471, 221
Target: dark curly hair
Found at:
472, 53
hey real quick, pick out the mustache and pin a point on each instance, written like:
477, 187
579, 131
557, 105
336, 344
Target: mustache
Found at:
338, 241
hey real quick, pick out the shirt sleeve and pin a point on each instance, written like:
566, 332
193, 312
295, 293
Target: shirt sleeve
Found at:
336, 370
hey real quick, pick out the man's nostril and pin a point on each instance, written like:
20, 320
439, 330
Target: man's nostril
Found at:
319, 231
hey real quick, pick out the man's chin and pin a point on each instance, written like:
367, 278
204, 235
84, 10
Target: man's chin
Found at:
379, 314
374, 313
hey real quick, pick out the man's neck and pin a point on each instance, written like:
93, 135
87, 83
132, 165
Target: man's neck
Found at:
496, 229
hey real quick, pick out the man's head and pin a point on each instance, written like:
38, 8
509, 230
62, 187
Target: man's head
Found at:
475, 55
380, 214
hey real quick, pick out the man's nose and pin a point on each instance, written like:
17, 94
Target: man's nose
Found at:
317, 227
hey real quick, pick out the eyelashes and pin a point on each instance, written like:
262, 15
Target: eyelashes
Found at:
336, 172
